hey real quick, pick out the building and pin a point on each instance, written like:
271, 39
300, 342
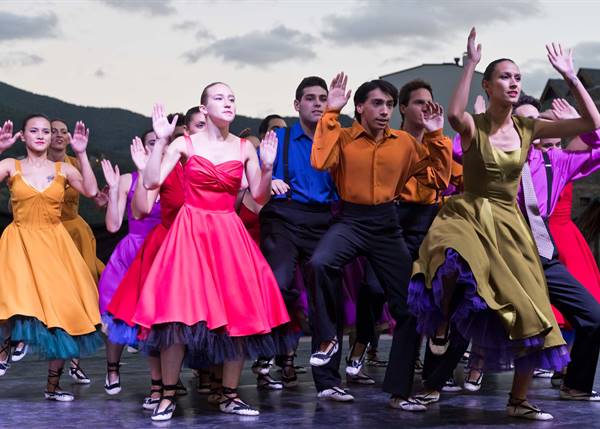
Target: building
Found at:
442, 78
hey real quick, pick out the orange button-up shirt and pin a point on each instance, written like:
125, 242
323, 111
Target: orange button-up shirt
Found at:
369, 172
440, 152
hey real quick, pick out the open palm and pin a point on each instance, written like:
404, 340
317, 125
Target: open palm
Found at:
7, 139
80, 137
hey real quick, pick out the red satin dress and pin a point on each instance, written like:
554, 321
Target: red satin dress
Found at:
125, 299
573, 250
209, 274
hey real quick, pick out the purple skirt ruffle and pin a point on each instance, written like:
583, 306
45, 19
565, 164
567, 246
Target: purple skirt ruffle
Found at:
119, 332
473, 320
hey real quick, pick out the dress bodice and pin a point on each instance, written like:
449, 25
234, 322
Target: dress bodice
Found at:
144, 225
212, 186
32, 208
489, 172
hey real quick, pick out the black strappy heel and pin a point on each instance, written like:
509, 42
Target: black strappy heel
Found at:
6, 364
151, 403
57, 394
233, 404
112, 388
77, 373
289, 376
167, 413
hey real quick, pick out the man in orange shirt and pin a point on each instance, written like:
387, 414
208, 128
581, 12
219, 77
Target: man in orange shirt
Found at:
370, 164
417, 206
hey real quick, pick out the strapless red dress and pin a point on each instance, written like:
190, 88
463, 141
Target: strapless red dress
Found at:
209, 286
573, 250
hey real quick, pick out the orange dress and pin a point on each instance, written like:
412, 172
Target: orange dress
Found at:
47, 294
78, 229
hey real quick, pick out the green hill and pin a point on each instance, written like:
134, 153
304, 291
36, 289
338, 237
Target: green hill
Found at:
111, 131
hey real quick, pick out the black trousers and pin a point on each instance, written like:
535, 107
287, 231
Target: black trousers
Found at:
582, 311
372, 231
289, 233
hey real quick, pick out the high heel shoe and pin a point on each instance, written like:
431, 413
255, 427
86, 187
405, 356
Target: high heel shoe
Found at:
57, 394
151, 403
4, 365
112, 388
167, 413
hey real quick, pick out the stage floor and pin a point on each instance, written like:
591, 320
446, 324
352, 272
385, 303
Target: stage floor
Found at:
22, 403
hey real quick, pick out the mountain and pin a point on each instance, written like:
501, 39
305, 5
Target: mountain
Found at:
111, 131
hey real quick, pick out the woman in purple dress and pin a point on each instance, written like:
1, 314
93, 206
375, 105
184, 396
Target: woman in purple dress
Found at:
121, 190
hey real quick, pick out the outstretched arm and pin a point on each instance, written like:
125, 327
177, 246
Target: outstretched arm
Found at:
562, 60
158, 166
118, 187
325, 149
461, 120
259, 176
85, 183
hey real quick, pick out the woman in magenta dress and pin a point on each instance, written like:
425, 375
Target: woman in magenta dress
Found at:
209, 288
121, 191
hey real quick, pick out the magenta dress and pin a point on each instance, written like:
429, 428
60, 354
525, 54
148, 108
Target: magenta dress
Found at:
209, 286
127, 249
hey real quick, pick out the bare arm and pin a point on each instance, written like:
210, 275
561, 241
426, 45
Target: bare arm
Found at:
7, 166
85, 183
158, 166
461, 120
562, 61
260, 175
118, 187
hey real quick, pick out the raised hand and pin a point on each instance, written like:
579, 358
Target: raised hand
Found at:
111, 176
563, 110
434, 116
338, 97
7, 139
160, 124
268, 150
80, 137
561, 60
473, 51
279, 187
479, 105
101, 198
139, 155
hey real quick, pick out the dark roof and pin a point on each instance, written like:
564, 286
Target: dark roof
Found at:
555, 88
423, 65
589, 77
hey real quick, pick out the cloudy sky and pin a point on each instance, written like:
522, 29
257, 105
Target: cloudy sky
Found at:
129, 54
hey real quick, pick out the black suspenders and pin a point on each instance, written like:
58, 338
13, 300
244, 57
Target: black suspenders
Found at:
286, 164
549, 178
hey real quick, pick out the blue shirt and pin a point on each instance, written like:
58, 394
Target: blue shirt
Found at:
309, 186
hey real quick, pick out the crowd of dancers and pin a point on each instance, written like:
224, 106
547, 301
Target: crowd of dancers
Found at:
232, 242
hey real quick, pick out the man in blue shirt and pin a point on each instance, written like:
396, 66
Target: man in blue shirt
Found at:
297, 216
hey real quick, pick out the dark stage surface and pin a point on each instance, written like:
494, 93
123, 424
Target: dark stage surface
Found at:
23, 405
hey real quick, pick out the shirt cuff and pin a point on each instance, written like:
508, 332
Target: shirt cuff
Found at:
591, 139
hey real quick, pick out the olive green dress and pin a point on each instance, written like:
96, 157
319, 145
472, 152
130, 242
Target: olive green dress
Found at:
482, 237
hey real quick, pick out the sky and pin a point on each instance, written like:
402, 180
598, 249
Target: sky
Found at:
130, 54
